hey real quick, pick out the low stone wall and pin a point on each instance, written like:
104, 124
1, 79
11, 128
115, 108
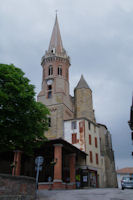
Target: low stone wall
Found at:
56, 186
17, 187
16, 197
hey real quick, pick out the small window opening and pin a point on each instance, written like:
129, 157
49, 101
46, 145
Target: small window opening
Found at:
50, 70
67, 74
60, 71
49, 91
74, 125
89, 125
49, 122
43, 74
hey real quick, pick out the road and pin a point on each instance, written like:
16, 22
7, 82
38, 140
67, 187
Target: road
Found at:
86, 194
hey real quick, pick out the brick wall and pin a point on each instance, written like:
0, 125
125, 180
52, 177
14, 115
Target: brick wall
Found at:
17, 187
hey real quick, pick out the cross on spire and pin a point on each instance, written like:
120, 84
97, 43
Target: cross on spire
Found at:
56, 11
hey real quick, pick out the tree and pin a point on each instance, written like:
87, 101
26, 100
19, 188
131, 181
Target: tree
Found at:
22, 119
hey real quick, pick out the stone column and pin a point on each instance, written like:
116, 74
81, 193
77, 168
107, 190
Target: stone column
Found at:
72, 164
17, 163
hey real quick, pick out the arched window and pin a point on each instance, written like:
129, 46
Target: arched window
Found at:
49, 91
50, 70
60, 70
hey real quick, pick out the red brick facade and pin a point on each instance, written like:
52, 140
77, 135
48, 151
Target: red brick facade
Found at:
17, 163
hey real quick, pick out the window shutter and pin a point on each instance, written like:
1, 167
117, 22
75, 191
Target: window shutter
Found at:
74, 138
95, 142
91, 160
96, 158
90, 139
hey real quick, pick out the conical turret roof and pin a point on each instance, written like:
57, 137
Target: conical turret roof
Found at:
82, 83
132, 100
56, 41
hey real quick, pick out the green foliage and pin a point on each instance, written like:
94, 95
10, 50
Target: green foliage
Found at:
22, 119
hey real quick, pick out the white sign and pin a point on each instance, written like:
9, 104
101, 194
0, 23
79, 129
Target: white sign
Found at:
84, 178
39, 160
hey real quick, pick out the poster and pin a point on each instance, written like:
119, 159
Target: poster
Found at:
84, 178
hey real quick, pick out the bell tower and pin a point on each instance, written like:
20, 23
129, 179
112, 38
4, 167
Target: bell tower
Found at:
55, 84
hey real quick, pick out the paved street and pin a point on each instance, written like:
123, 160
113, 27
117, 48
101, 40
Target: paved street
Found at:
87, 194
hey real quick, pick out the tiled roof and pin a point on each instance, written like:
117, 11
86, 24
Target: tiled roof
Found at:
127, 170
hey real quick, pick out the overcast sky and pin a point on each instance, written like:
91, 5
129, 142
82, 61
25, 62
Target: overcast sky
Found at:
98, 37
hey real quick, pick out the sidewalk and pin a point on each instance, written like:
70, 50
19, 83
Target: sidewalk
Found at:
86, 194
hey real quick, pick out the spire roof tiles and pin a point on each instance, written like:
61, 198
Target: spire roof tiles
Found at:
56, 41
82, 83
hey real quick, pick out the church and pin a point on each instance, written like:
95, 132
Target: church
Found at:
79, 148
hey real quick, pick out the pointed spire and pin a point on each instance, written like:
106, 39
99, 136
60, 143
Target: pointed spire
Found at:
82, 83
132, 99
132, 106
130, 122
55, 46
56, 42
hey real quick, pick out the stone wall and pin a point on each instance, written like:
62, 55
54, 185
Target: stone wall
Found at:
84, 104
108, 153
17, 187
